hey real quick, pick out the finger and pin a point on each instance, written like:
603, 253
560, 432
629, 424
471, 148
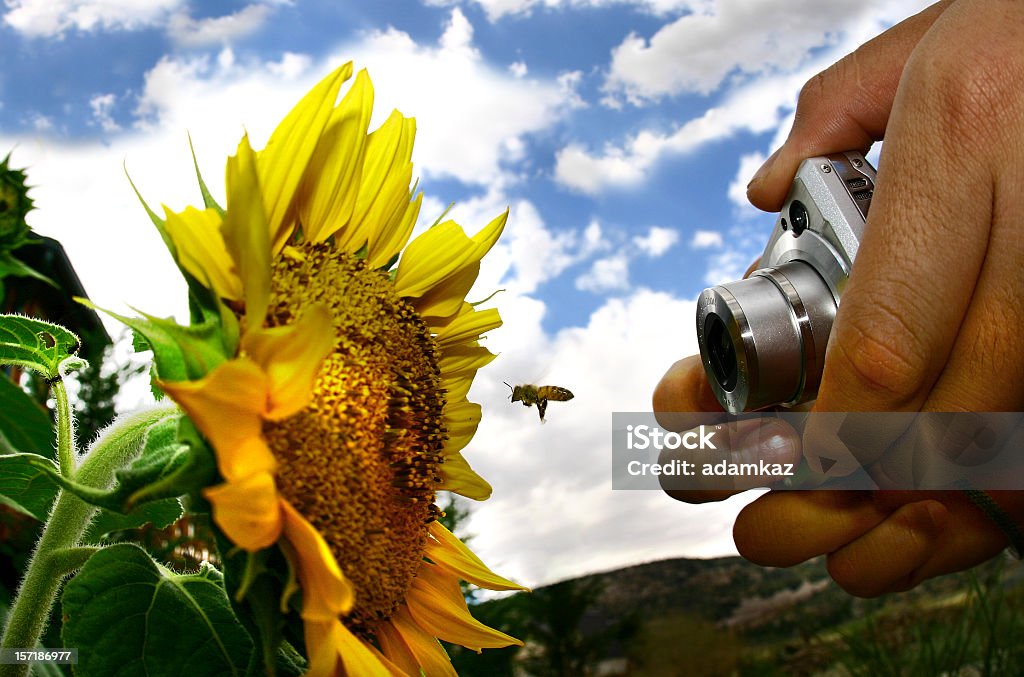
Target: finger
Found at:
845, 107
753, 445
886, 558
920, 541
783, 528
922, 252
985, 371
971, 537
684, 388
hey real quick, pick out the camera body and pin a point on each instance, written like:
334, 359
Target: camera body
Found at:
762, 339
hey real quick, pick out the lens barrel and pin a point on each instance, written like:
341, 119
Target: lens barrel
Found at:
763, 339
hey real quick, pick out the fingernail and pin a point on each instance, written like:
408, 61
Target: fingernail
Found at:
762, 173
938, 514
773, 442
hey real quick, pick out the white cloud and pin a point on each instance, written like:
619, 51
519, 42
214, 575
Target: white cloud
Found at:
466, 112
52, 18
657, 241
569, 82
496, 9
698, 51
607, 274
40, 122
518, 69
755, 107
749, 164
189, 32
529, 252
102, 105
706, 239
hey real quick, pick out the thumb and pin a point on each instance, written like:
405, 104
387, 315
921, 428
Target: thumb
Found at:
845, 107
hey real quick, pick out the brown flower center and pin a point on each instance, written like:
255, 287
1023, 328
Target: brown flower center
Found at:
361, 462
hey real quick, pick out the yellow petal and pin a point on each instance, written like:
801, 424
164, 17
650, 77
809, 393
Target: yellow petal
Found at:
460, 420
283, 162
469, 325
402, 633
227, 406
291, 357
459, 478
248, 511
452, 555
395, 649
329, 644
436, 603
384, 186
441, 252
445, 298
201, 250
326, 592
461, 359
392, 236
456, 386
331, 183
245, 231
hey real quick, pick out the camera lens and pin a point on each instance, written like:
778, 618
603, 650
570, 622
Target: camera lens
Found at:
762, 340
721, 352
798, 216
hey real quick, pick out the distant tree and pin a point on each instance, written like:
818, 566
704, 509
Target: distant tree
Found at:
566, 633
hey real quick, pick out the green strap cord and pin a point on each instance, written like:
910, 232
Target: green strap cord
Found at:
1000, 518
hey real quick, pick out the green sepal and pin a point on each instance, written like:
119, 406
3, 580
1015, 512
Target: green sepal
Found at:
204, 305
391, 263
180, 353
46, 348
437, 221
27, 484
24, 424
485, 300
174, 462
208, 200
129, 615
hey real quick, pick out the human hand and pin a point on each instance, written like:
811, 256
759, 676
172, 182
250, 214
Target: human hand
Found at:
930, 319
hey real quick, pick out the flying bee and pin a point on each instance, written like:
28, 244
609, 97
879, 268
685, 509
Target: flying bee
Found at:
539, 395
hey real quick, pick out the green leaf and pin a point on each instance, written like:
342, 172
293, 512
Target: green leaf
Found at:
33, 344
23, 422
161, 514
25, 485
11, 266
128, 615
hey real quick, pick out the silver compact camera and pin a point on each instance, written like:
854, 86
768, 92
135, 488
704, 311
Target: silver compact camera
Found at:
762, 339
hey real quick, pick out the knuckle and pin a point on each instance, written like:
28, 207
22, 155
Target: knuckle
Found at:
882, 357
972, 95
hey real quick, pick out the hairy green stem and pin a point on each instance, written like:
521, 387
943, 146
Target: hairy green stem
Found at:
58, 551
65, 430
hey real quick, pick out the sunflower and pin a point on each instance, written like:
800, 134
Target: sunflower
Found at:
343, 409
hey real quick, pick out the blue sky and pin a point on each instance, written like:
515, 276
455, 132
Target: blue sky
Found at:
620, 132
